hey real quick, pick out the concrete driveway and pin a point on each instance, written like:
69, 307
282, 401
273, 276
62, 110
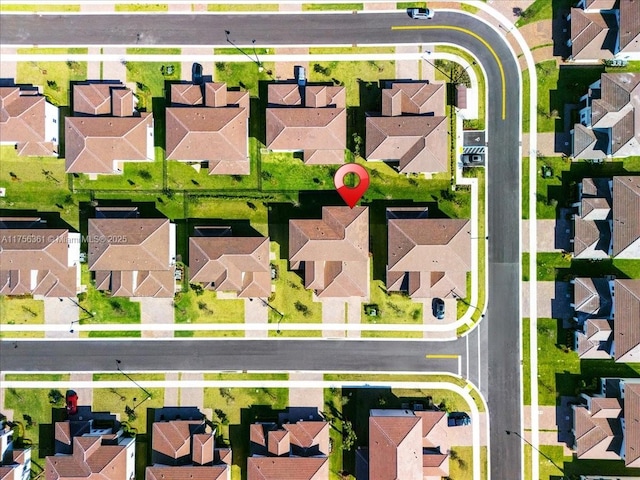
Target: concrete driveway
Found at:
155, 310
61, 311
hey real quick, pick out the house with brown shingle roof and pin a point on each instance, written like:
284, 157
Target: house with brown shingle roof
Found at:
626, 217
311, 119
106, 129
230, 264
332, 252
606, 426
293, 448
36, 260
84, 450
133, 257
404, 444
610, 118
427, 257
209, 123
411, 129
15, 463
605, 29
28, 121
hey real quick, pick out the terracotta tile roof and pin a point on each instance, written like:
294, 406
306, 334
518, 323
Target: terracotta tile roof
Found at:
632, 424
626, 217
319, 123
309, 434
37, 261
418, 143
90, 459
434, 429
239, 264
626, 321
417, 98
172, 439
187, 473
595, 340
94, 98
130, 257
202, 449
395, 448
334, 251
605, 407
587, 143
596, 437
430, 256
592, 297
435, 465
629, 26
23, 121
590, 35
287, 468
600, 4
278, 442
592, 239
188, 94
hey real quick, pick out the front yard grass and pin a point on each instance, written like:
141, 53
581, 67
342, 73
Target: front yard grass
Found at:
258, 7
38, 8
142, 7
349, 50
150, 81
542, 10
393, 307
191, 307
526, 361
53, 77
115, 400
461, 463
235, 409
21, 311
243, 74
331, 6
38, 184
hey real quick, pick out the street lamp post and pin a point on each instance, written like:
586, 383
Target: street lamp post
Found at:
458, 297
280, 314
118, 362
509, 432
254, 60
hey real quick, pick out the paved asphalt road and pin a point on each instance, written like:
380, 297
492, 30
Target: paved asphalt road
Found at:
499, 334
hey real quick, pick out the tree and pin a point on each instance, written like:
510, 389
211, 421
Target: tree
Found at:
55, 397
349, 437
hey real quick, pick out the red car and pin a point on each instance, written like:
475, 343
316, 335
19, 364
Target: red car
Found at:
72, 402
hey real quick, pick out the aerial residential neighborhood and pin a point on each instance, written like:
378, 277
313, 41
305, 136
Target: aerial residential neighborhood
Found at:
320, 240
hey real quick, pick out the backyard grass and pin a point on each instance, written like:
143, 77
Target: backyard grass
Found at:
150, 81
243, 74
235, 409
258, 7
206, 307
229, 208
38, 184
53, 77
286, 171
142, 7
38, 8
353, 75
331, 6
135, 176
102, 307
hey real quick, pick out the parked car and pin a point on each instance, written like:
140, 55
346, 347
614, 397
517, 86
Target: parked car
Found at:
301, 75
438, 308
420, 13
72, 402
458, 419
469, 159
196, 74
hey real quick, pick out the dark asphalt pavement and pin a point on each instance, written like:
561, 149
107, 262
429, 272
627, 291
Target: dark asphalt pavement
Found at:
496, 344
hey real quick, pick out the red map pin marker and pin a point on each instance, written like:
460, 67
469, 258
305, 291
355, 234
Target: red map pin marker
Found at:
351, 195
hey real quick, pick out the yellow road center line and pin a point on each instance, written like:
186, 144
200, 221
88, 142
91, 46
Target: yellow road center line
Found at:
477, 37
441, 356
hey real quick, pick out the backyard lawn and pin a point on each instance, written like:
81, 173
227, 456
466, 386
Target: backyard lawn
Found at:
204, 306
54, 77
286, 171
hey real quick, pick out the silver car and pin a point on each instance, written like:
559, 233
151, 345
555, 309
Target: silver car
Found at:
420, 13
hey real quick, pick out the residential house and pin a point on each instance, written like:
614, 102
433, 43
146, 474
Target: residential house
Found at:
311, 119
615, 334
132, 257
91, 444
209, 123
604, 29
609, 118
183, 446
294, 447
333, 252
15, 463
593, 307
28, 121
606, 426
106, 129
225, 263
412, 128
404, 444
607, 219
36, 260
427, 257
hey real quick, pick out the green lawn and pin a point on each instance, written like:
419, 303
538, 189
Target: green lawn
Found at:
542, 10
243, 74
235, 409
229, 208
331, 6
393, 307
150, 81
53, 77
526, 100
38, 184
350, 50
258, 7
21, 311
135, 176
191, 307
461, 463
548, 263
286, 171
38, 8
104, 308
115, 400
525, 187
214, 377
142, 7
526, 362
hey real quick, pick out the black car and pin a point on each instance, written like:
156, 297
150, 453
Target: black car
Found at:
438, 308
458, 419
196, 74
